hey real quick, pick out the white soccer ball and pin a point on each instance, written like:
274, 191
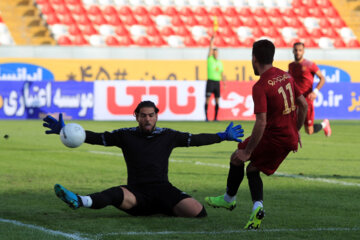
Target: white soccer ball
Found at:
72, 135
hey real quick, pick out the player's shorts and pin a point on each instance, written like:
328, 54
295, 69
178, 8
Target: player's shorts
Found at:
155, 199
267, 156
212, 87
310, 116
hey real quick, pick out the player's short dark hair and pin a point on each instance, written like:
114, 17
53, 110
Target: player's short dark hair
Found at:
298, 43
264, 51
145, 104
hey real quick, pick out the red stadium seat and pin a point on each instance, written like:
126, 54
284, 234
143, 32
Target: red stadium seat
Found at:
295, 23
245, 12
177, 21
141, 11
279, 42
62, 10
339, 43
265, 22
183, 31
289, 12
112, 41
84, 20
64, 41
80, 41
146, 20
324, 23
57, 2
353, 43
125, 11
130, 20
94, 10
310, 43
159, 41
206, 21
216, 11
100, 20
230, 12
204, 42
331, 12
73, 2
227, 32
201, 11
323, 3
190, 42
41, 2
167, 31
303, 12
317, 12
155, 11
257, 32
310, 3
74, 30
191, 21
110, 11
52, 19
274, 12
152, 31
280, 22
68, 19
78, 10
126, 41
121, 31
47, 9
302, 32
220, 42
259, 12
296, 3
222, 22
248, 42
316, 33
143, 42
171, 11
250, 22
235, 22
295, 40
114, 20
186, 11
339, 23
272, 32
234, 42
330, 32
89, 30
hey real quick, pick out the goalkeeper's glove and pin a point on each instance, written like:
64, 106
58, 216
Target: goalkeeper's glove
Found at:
232, 133
54, 125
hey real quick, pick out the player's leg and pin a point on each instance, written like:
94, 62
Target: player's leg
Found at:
235, 177
189, 207
217, 96
310, 116
256, 190
208, 92
116, 196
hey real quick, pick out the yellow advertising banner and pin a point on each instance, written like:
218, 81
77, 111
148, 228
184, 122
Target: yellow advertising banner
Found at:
88, 70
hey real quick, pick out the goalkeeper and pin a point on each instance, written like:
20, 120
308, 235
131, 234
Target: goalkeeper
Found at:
146, 150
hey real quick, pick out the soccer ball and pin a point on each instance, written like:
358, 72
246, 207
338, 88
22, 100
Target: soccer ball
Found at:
72, 135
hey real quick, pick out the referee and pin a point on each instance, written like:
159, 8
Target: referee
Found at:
215, 74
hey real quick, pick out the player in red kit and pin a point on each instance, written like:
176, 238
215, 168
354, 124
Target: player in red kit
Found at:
280, 111
303, 72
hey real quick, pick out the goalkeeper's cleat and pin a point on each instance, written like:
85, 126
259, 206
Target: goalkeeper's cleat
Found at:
327, 128
67, 196
219, 202
255, 219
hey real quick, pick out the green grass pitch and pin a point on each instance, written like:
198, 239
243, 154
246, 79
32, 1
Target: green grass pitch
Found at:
314, 195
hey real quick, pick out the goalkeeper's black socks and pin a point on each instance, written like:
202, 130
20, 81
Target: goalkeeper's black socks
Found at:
113, 196
317, 127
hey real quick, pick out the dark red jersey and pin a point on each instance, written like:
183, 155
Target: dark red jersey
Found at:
275, 94
303, 73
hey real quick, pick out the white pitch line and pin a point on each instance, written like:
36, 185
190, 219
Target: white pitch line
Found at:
227, 166
75, 236
232, 231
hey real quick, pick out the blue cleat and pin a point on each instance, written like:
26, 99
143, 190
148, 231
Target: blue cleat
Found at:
67, 196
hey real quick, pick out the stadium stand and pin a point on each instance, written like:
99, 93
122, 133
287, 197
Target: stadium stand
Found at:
185, 23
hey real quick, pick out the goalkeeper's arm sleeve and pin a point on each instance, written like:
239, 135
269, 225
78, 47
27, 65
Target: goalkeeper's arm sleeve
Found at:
204, 139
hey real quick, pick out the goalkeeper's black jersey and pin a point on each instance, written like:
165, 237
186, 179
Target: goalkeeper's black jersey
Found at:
147, 156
